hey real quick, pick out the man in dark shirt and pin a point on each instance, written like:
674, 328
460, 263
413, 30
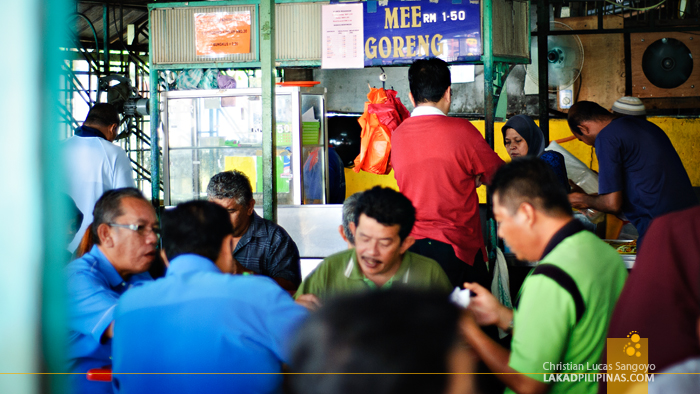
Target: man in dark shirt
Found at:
260, 245
640, 173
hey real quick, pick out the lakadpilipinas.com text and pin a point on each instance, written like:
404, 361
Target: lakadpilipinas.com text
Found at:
618, 372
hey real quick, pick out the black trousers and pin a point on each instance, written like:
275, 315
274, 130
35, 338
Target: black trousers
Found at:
457, 270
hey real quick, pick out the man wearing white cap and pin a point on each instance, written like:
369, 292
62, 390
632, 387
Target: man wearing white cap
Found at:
629, 106
640, 173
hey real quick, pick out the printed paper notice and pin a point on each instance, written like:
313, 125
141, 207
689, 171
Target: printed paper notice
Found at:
343, 36
222, 33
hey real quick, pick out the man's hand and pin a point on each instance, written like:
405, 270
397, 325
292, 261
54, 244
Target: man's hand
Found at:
496, 357
309, 301
486, 309
579, 200
608, 203
576, 188
477, 181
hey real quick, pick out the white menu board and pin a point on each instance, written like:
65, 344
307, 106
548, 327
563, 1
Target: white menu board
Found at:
343, 36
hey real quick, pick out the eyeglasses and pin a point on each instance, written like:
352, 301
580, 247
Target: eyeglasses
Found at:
141, 229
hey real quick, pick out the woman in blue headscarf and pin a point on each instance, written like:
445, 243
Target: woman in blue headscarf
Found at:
522, 137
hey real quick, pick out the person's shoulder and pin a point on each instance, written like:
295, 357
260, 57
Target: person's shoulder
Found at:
669, 220
332, 264
270, 226
110, 147
421, 262
551, 155
72, 140
143, 293
83, 274
623, 127
337, 259
255, 290
81, 266
585, 254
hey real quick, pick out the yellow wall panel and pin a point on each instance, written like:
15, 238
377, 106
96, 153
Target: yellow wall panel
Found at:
364, 180
682, 132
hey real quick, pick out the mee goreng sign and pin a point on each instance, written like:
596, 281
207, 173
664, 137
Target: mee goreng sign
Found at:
397, 32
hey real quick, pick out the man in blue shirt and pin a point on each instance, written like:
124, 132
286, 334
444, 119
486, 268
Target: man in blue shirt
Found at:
259, 245
125, 230
640, 173
197, 319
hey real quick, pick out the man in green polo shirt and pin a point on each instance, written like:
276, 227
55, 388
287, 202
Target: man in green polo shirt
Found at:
380, 260
565, 304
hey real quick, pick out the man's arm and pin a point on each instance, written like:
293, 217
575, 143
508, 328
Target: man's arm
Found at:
496, 358
123, 174
91, 306
283, 261
483, 160
308, 301
486, 309
287, 285
609, 203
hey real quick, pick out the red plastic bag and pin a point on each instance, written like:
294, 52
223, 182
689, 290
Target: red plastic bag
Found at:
383, 114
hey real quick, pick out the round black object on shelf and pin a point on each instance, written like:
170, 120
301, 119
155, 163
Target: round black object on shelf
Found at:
667, 63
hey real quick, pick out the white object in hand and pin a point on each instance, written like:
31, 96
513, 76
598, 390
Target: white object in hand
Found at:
460, 297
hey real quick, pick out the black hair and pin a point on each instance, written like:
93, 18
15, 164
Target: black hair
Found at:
388, 207
102, 115
398, 331
196, 227
109, 207
587, 111
531, 180
428, 80
349, 215
230, 185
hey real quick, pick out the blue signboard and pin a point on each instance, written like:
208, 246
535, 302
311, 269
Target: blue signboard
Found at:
398, 32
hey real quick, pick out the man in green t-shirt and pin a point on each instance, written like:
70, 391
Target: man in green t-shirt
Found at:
383, 221
564, 307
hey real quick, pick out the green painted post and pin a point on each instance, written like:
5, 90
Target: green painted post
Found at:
55, 212
33, 233
502, 106
543, 65
487, 26
105, 38
154, 118
267, 61
489, 104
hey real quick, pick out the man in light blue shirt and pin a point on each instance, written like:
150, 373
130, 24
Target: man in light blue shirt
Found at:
93, 164
200, 323
125, 231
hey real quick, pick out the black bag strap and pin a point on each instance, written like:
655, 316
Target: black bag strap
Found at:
566, 282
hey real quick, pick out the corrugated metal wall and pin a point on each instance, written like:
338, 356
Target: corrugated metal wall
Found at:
298, 32
174, 38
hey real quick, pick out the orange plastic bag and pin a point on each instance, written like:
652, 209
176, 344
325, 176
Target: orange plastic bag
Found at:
383, 113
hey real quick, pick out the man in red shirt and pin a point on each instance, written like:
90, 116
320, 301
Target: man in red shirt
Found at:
438, 163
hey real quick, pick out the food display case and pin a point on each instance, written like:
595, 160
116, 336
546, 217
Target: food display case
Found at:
209, 131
